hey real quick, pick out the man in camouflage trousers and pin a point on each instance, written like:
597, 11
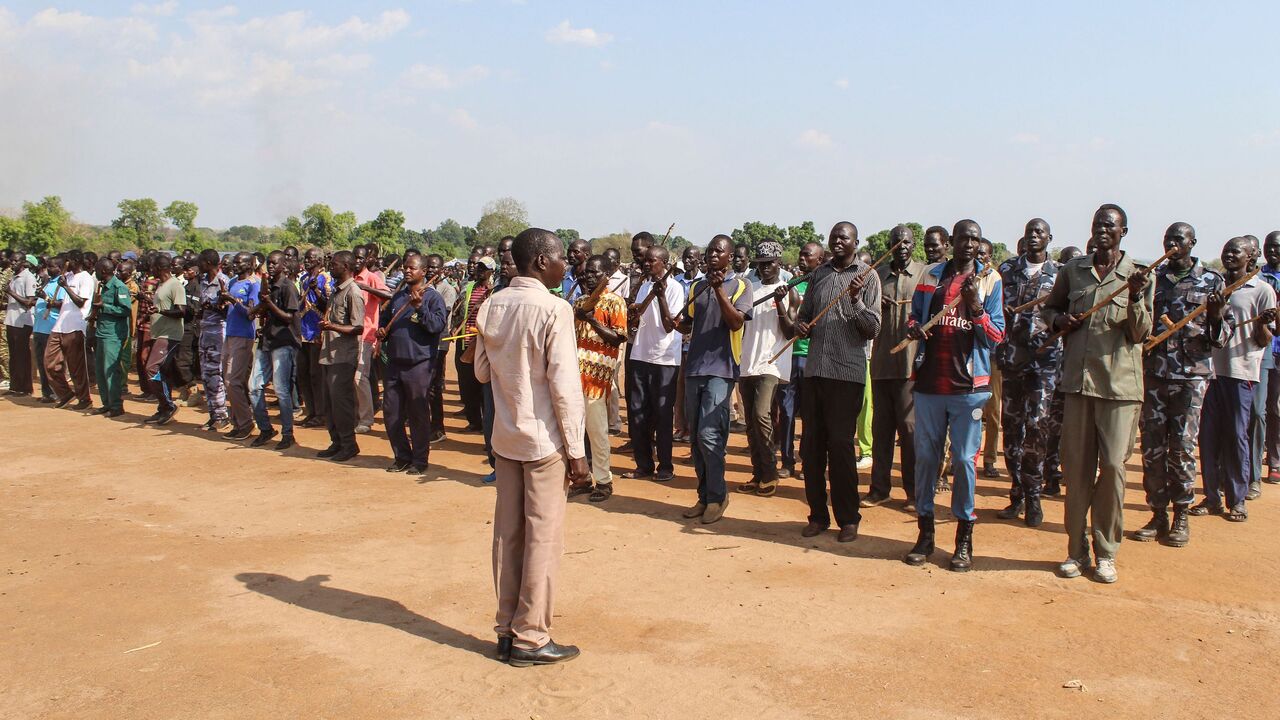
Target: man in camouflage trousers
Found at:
213, 323
1029, 372
1177, 372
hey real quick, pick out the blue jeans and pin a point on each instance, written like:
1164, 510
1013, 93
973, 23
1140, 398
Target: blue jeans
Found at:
1224, 440
275, 367
788, 404
1258, 425
935, 414
706, 405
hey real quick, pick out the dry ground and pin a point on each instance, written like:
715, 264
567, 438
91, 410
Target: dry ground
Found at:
161, 573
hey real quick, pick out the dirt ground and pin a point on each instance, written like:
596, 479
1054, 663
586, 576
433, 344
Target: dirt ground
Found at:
163, 573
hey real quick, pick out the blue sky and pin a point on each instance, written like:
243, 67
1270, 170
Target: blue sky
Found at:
606, 116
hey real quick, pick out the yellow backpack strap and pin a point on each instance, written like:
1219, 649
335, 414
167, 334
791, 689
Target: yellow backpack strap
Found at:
693, 293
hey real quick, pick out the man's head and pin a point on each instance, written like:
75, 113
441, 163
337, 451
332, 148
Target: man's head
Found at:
594, 272
434, 263
843, 241
415, 270
689, 258
935, 244
640, 242
504, 243
342, 264
162, 266
1036, 237
1183, 236
539, 254
1069, 253
902, 253
718, 253
984, 251
1235, 255
125, 270
1255, 250
614, 258
313, 259
966, 238
507, 266
483, 269
1271, 248
277, 262
291, 251
811, 256
208, 261
655, 261
104, 269
741, 257
579, 251
242, 264
1110, 224
190, 268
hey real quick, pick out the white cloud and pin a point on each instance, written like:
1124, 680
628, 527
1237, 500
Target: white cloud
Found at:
1025, 138
842, 83
461, 118
160, 9
566, 34
433, 77
815, 139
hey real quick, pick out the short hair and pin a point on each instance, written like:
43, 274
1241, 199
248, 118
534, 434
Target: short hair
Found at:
901, 229
938, 230
720, 238
663, 254
604, 261
1124, 217
645, 238
967, 221
210, 256
852, 227
612, 251
531, 243
161, 262
346, 257
435, 256
741, 246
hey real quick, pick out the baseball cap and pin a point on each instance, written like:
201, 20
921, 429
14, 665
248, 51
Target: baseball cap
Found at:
768, 250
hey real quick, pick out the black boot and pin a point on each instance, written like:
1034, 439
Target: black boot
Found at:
962, 560
1180, 534
1012, 512
1157, 527
924, 543
1035, 515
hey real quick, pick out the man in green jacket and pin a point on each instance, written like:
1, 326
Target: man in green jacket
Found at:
1102, 382
112, 312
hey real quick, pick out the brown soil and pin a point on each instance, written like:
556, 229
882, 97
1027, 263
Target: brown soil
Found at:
162, 573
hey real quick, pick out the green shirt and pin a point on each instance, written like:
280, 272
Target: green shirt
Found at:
116, 311
171, 294
800, 348
1102, 359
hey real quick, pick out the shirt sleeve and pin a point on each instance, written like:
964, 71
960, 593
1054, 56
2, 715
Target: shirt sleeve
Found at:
480, 361
743, 303
564, 379
433, 313
357, 309
866, 307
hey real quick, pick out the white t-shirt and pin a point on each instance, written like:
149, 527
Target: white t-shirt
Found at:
24, 285
762, 338
652, 343
620, 283
71, 318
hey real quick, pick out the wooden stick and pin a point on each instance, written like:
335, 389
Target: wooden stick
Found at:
951, 305
1124, 287
865, 273
794, 282
1195, 313
1028, 305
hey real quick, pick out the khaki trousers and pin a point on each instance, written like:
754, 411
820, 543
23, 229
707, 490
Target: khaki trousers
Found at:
528, 540
598, 436
1097, 439
991, 418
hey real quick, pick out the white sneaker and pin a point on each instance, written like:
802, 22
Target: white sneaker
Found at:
865, 463
4, 384
1106, 570
1072, 568
362, 429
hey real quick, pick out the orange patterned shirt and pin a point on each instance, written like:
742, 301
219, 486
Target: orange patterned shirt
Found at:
597, 359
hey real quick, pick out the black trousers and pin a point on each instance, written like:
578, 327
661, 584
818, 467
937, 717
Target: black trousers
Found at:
41, 341
893, 413
651, 407
340, 414
310, 382
19, 340
830, 415
470, 390
437, 390
407, 410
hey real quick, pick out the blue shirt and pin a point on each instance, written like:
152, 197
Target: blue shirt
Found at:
238, 322
1272, 276
46, 316
315, 288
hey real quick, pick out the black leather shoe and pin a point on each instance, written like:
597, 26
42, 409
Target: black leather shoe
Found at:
101, 411
399, 466
1012, 511
1035, 515
962, 559
63, 403
285, 443
848, 533
263, 438
417, 470
1157, 527
240, 433
923, 548
813, 529
329, 452
114, 413
345, 455
504, 647
82, 406
548, 654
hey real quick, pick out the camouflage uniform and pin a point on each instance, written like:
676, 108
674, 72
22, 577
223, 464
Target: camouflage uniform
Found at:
1030, 377
213, 322
1177, 371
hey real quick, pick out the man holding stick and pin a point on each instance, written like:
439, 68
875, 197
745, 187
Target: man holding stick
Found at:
834, 374
1101, 303
651, 371
600, 326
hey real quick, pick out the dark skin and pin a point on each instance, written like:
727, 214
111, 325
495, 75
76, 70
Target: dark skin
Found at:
719, 251
72, 267
242, 266
935, 247
312, 261
901, 257
372, 263
842, 246
1183, 237
18, 263
1034, 246
1236, 256
1271, 248
415, 281
741, 258
579, 251
593, 273
163, 272
964, 255
277, 263
508, 266
770, 271
342, 270
691, 262
811, 256
1108, 229
654, 267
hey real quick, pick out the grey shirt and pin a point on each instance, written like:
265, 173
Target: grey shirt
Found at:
838, 344
346, 307
1241, 358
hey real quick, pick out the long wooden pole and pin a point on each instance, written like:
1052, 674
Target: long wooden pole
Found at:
951, 305
862, 275
1195, 313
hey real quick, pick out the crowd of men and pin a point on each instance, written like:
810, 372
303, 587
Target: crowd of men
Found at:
1072, 356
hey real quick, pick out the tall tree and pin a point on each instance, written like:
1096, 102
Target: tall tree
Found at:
44, 225
387, 230
878, 243
142, 217
183, 216
753, 233
798, 235
568, 235
504, 216
344, 227
318, 226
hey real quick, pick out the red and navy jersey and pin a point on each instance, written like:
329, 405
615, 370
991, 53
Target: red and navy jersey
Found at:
956, 359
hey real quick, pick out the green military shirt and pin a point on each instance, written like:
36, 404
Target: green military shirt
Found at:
1103, 358
116, 312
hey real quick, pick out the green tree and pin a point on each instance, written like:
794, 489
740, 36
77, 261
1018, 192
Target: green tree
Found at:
12, 233
44, 225
142, 217
318, 227
344, 227
504, 216
799, 235
620, 241
753, 233
568, 235
183, 216
387, 230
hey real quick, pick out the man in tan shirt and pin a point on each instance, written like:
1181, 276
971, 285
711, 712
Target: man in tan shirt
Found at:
526, 349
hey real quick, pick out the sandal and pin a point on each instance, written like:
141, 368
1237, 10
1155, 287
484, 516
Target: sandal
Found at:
1238, 514
749, 487
767, 489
